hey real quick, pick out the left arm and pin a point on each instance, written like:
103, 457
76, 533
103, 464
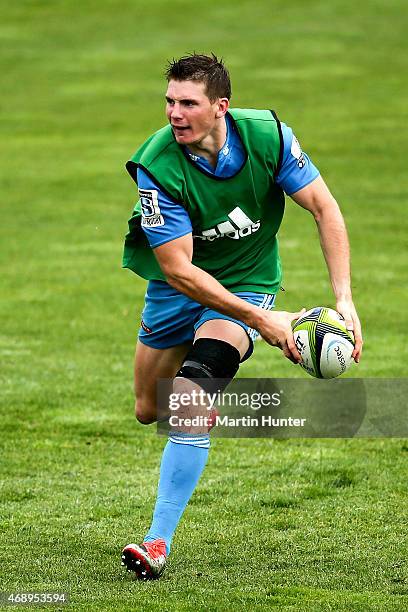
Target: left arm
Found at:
317, 199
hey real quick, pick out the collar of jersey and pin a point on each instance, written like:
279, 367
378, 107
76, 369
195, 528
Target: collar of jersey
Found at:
209, 172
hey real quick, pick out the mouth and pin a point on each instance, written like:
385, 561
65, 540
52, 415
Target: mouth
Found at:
179, 129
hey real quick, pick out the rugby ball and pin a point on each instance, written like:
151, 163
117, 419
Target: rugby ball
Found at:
323, 342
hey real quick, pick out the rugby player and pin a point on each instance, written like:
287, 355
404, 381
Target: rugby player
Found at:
212, 186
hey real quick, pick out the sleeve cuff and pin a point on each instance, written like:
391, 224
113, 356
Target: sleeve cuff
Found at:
166, 240
302, 186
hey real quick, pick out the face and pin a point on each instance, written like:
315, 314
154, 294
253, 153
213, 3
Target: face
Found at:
190, 112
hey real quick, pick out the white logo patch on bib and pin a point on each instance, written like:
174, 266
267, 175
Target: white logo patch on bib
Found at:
151, 215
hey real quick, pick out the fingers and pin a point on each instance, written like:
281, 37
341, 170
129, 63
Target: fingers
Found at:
280, 333
358, 342
288, 354
348, 319
358, 349
290, 351
296, 315
288, 345
353, 325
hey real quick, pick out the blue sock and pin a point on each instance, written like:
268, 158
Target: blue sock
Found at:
184, 458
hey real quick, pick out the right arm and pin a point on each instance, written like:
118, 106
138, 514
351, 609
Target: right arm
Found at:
175, 260
172, 243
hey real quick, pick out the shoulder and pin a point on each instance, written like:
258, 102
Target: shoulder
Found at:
252, 114
254, 122
260, 131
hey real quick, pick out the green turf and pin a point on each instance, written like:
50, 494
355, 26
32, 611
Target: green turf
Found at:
291, 525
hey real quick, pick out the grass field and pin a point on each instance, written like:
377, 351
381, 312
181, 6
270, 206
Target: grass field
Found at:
302, 525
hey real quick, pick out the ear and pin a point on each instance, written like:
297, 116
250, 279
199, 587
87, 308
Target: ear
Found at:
222, 107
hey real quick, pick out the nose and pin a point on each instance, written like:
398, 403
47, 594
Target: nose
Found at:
175, 112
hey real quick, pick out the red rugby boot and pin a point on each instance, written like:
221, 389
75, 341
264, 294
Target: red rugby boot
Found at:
147, 560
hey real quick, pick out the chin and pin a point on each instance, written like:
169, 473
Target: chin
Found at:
189, 138
185, 140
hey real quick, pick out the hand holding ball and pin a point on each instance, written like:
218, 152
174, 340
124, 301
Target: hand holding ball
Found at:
323, 342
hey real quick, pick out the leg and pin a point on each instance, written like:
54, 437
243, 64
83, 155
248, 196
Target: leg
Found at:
186, 452
228, 331
151, 364
224, 338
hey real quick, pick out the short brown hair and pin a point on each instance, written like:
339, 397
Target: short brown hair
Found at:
206, 69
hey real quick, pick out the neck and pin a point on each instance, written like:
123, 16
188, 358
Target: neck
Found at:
210, 146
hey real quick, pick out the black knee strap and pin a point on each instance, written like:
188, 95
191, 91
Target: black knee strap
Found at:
210, 359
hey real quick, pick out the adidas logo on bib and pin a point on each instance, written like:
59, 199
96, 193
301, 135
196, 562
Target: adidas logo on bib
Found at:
238, 226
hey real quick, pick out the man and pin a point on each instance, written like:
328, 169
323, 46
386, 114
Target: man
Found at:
211, 187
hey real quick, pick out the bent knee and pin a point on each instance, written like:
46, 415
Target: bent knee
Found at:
144, 414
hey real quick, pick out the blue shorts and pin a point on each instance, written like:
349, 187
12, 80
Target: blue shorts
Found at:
170, 318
